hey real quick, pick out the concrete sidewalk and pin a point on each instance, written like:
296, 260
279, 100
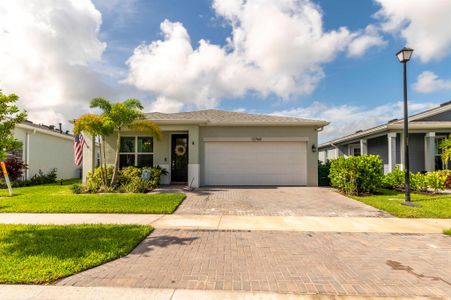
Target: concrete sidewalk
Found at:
287, 223
37, 292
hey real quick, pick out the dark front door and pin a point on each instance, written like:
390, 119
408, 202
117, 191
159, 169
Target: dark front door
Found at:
179, 158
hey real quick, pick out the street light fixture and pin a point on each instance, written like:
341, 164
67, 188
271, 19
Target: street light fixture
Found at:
404, 56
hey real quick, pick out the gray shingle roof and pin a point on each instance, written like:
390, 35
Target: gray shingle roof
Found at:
221, 117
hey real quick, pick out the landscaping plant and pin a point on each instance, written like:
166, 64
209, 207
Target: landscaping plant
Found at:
323, 173
15, 167
395, 179
418, 182
357, 174
436, 181
10, 115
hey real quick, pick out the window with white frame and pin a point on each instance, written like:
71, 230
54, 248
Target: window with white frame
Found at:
136, 151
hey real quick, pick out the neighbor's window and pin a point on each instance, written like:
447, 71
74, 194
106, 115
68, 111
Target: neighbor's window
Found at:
136, 151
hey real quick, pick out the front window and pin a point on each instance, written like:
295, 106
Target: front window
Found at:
438, 153
136, 151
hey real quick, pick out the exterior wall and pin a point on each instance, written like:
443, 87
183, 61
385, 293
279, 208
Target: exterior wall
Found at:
44, 152
249, 132
416, 152
162, 148
379, 146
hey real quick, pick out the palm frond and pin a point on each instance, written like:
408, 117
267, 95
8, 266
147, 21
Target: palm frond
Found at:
101, 103
133, 104
148, 127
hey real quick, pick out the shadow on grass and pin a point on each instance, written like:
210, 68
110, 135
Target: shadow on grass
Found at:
69, 242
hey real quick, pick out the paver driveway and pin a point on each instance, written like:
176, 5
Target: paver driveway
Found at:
274, 201
300, 262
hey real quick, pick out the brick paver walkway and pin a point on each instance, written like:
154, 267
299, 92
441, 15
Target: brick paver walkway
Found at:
300, 262
274, 201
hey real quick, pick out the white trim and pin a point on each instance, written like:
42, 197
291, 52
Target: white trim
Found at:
256, 139
45, 131
193, 175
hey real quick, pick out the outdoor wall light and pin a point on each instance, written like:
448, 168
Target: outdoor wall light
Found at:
313, 148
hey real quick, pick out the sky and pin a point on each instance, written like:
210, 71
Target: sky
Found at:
321, 59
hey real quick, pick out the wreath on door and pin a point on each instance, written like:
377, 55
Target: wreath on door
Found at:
180, 150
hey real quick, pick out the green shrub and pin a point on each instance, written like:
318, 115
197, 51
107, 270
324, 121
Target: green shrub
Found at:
323, 173
436, 181
395, 179
446, 173
357, 174
77, 188
94, 183
418, 182
42, 178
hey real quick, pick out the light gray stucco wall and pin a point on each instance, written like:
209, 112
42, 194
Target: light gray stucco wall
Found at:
248, 131
379, 146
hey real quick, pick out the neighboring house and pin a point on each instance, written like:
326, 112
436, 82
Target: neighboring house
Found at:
214, 147
45, 148
426, 130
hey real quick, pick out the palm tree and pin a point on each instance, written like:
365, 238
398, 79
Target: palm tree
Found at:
445, 146
120, 115
97, 127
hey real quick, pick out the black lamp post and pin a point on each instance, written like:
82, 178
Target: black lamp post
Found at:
404, 56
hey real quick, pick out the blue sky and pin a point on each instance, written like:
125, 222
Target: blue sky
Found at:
322, 78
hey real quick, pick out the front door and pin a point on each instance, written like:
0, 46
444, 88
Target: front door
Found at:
179, 158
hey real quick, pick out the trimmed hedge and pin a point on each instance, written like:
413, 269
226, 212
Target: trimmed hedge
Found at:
357, 174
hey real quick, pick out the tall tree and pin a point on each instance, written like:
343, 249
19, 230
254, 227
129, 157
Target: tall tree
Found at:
10, 115
98, 127
122, 115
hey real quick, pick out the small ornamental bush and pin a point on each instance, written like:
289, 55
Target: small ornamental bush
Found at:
418, 182
446, 173
436, 181
15, 167
42, 178
395, 179
357, 174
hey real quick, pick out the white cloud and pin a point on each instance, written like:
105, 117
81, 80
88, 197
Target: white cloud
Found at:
425, 25
369, 38
345, 119
275, 47
46, 47
429, 82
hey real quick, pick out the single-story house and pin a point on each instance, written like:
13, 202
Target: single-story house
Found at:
45, 148
426, 130
215, 147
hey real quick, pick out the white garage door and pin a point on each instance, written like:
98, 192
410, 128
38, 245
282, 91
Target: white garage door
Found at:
255, 163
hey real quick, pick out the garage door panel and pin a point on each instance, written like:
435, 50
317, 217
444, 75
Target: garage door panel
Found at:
255, 163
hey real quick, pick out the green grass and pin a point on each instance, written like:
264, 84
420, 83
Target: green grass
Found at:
447, 232
431, 206
57, 198
43, 253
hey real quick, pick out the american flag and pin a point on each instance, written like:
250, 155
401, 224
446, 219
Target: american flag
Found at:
79, 141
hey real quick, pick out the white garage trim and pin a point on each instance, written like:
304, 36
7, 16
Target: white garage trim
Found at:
255, 163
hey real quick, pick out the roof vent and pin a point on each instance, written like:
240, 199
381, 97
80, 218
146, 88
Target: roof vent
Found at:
445, 103
392, 120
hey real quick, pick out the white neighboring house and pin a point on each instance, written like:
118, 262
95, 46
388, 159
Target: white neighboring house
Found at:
45, 148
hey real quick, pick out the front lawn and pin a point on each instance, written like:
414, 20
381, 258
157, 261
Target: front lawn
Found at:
57, 198
436, 206
43, 253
